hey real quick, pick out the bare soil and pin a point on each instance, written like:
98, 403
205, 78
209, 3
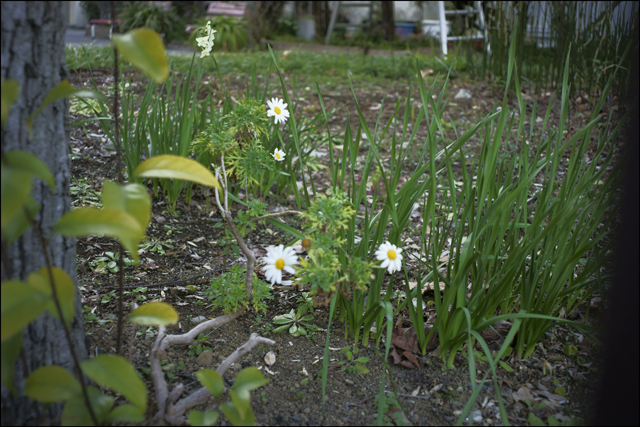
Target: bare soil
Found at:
429, 393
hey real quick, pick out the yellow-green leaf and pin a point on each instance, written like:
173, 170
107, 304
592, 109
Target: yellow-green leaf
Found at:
117, 374
16, 187
230, 411
21, 303
51, 384
125, 413
10, 91
65, 289
144, 49
25, 161
155, 314
199, 418
60, 91
113, 222
10, 350
250, 379
131, 198
19, 222
75, 412
242, 401
176, 167
212, 380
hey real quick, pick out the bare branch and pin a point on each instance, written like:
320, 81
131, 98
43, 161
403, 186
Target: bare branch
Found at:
176, 412
254, 340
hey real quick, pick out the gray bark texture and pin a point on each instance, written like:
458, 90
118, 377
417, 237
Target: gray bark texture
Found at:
33, 53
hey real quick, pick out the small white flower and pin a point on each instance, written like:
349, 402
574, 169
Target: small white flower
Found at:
278, 155
206, 41
279, 258
390, 256
278, 109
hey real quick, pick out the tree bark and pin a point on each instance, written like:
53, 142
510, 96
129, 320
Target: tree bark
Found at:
33, 53
386, 7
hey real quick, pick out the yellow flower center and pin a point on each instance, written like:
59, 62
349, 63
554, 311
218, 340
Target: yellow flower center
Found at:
391, 254
277, 110
280, 263
278, 156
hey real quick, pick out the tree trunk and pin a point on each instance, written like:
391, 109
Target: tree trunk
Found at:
33, 54
316, 8
386, 8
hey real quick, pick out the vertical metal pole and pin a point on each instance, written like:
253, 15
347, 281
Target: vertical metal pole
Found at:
334, 15
483, 25
443, 28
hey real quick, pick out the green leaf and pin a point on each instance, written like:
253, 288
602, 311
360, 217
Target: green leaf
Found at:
199, 418
65, 289
281, 320
154, 314
60, 91
570, 350
27, 162
131, 198
10, 350
280, 329
51, 384
116, 223
229, 410
125, 413
561, 391
117, 374
19, 223
75, 412
361, 369
250, 379
505, 366
15, 187
144, 49
212, 380
21, 303
176, 167
362, 360
241, 400
535, 421
10, 91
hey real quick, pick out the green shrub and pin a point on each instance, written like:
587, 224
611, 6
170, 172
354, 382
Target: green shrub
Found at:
138, 14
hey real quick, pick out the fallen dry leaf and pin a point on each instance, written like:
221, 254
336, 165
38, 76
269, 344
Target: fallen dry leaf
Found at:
523, 394
411, 358
406, 339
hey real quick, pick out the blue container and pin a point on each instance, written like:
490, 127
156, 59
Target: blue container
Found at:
404, 30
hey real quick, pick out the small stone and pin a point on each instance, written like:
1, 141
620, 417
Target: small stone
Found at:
306, 410
463, 93
349, 382
198, 319
205, 358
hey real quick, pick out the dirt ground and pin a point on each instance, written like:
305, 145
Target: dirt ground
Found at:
185, 246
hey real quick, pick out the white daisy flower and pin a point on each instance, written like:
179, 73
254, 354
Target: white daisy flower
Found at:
278, 155
206, 41
278, 109
390, 256
279, 258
